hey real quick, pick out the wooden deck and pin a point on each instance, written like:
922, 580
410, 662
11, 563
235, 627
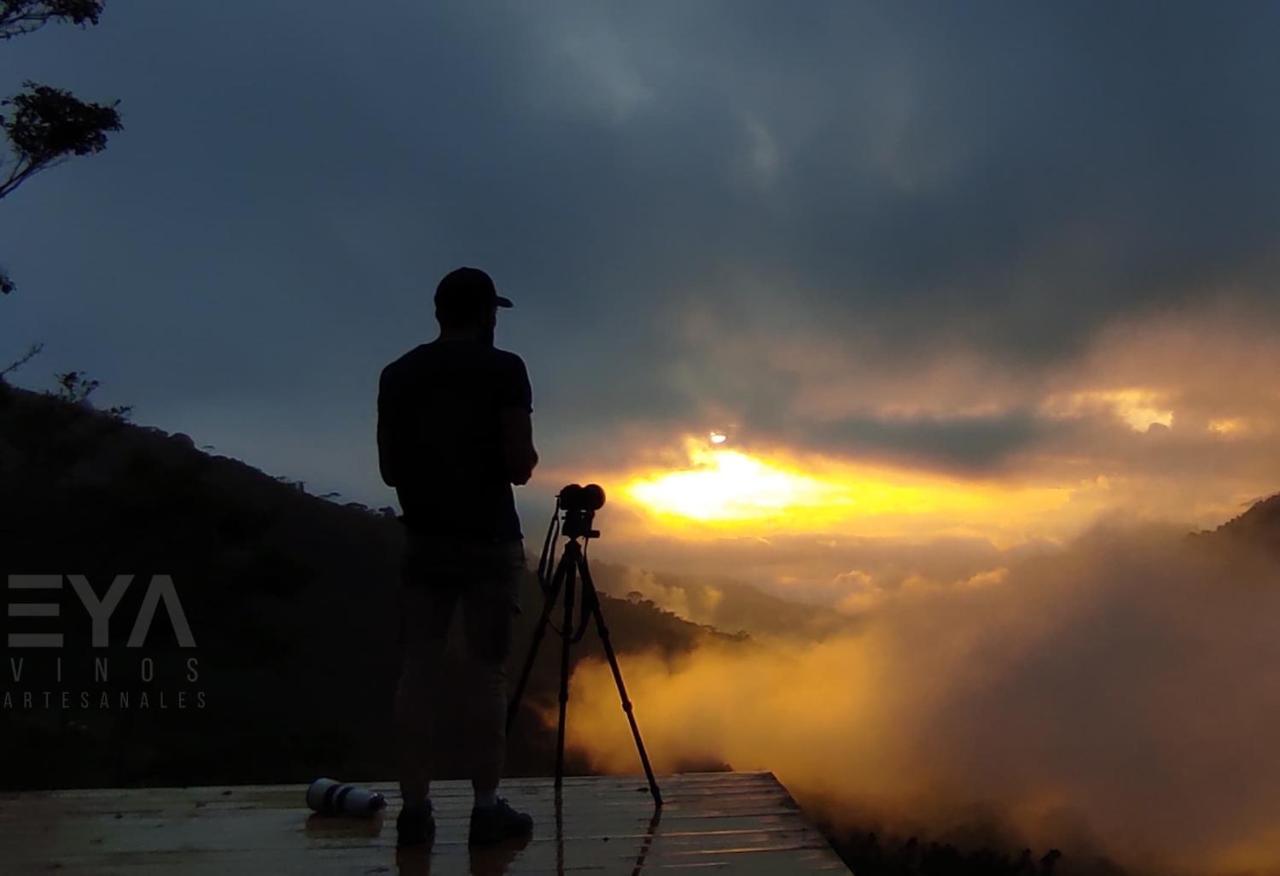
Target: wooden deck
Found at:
729, 822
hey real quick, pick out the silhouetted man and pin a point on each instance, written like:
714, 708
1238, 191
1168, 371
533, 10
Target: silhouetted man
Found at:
454, 433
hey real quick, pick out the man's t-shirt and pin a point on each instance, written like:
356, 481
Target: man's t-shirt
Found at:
440, 437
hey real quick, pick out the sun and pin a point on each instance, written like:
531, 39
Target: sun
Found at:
727, 485
735, 492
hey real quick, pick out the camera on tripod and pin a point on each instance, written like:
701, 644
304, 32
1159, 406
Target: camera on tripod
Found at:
580, 505
571, 579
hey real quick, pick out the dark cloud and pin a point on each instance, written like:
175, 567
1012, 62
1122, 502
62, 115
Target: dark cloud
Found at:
265, 233
972, 444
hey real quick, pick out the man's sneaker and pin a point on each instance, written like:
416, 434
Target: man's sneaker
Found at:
415, 826
493, 824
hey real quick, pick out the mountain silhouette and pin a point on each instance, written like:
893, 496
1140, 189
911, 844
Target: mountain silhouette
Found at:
1259, 526
290, 598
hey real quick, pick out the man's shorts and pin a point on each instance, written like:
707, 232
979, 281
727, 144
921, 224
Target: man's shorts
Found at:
439, 572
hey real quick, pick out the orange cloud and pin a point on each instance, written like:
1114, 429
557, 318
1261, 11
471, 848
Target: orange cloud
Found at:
1115, 694
718, 490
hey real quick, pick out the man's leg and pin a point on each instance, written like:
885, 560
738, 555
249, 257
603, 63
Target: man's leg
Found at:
489, 738
424, 623
490, 602
489, 605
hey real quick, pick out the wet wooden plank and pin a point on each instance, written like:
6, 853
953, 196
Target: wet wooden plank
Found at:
727, 822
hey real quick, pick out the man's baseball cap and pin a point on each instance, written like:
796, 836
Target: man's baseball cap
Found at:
468, 289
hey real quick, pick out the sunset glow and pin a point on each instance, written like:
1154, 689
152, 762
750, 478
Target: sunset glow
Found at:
726, 485
745, 493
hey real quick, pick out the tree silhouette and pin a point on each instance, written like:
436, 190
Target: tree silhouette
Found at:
45, 125
49, 125
23, 16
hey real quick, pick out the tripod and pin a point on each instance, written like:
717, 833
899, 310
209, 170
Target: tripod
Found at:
571, 570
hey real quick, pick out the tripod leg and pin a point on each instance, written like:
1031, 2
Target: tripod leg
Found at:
592, 601
548, 605
566, 635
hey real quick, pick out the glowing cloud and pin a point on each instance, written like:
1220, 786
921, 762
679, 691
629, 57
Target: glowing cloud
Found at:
728, 485
721, 491
1227, 426
1140, 409
1024, 688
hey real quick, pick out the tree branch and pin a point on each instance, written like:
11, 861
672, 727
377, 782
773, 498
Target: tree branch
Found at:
50, 125
18, 17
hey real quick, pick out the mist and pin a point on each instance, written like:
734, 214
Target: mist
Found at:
1120, 697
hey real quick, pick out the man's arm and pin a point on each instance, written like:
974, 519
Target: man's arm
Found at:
388, 432
517, 444
516, 417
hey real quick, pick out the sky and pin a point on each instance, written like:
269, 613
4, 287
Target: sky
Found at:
820, 293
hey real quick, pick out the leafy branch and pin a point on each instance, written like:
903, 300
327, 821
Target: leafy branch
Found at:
75, 387
23, 16
47, 126
32, 352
